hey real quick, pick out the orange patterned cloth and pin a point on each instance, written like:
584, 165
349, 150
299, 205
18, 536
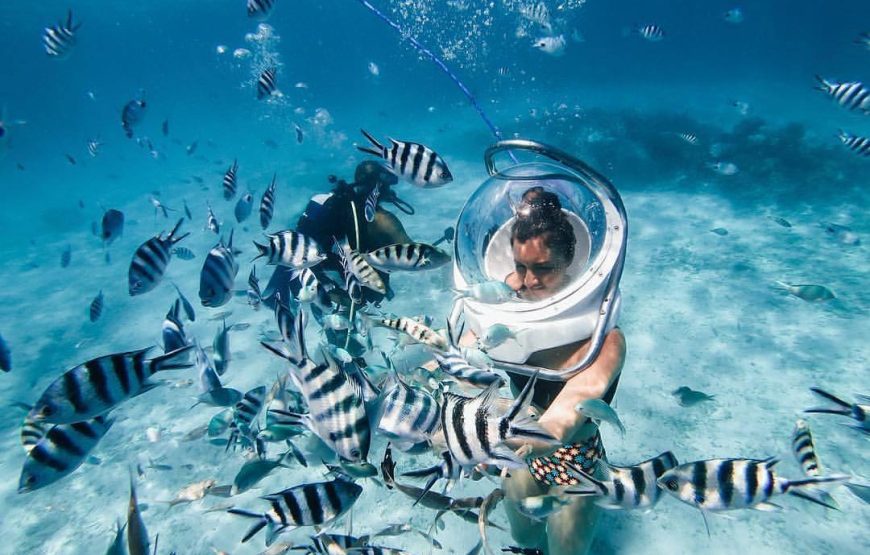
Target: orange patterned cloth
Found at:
551, 470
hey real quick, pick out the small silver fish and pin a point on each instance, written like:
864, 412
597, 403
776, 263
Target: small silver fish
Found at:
809, 293
597, 409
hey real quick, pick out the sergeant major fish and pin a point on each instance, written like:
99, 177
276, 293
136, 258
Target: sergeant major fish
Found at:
96, 308
627, 487
96, 386
137, 535
292, 249
357, 269
337, 411
305, 505
266, 83
371, 205
417, 164
852, 95
804, 450
230, 180
60, 39
260, 9
218, 275
858, 145
729, 484
150, 261
475, 435
407, 415
267, 203
62, 450
407, 257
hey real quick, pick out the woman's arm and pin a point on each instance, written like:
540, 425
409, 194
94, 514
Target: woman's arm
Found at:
561, 419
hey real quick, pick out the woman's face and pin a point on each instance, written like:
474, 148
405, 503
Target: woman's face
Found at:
539, 272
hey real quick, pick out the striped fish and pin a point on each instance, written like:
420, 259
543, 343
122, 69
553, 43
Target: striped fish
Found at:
247, 410
63, 449
266, 84
804, 450
260, 9
243, 207
230, 181
537, 13
651, 32
96, 308
211, 222
255, 297
94, 147
287, 325
218, 275
417, 331
728, 484
94, 387
221, 346
690, 138
852, 95
267, 204
358, 270
306, 505
407, 415
183, 253
308, 285
60, 39
335, 401
860, 412
407, 257
418, 164
454, 364
150, 261
628, 487
372, 203
292, 249
173, 330
475, 435
858, 145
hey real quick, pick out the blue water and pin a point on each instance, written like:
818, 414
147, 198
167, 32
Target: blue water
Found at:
700, 309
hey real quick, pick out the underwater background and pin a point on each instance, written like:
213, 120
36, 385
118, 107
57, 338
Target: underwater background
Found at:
702, 303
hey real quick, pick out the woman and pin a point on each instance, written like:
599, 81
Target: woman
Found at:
542, 240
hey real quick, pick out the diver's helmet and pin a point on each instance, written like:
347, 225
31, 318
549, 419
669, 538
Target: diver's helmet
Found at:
588, 305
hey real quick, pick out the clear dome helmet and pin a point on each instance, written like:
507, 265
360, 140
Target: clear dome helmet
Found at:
588, 305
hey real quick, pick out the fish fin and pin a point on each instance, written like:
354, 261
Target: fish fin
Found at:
830, 397
172, 360
381, 150
262, 251
280, 351
171, 238
767, 506
521, 425
262, 521
706, 524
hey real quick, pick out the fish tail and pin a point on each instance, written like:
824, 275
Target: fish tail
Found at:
261, 523
171, 238
262, 250
173, 360
278, 351
380, 152
822, 84
600, 488
830, 397
809, 492
520, 424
